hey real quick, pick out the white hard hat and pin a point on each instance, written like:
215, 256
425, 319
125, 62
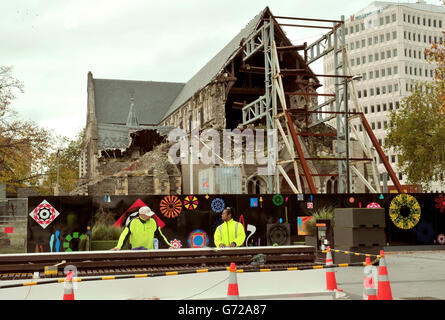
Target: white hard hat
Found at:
146, 210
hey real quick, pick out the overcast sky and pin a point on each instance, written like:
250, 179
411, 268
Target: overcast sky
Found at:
52, 44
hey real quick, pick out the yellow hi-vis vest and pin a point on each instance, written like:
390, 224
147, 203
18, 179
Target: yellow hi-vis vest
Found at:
229, 232
141, 233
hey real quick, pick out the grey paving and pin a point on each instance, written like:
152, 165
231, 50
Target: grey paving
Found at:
413, 275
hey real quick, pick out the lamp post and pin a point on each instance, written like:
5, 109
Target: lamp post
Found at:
58, 165
348, 182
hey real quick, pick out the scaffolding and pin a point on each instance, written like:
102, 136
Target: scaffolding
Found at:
280, 119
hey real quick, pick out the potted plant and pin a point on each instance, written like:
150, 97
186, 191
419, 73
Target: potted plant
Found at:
310, 228
104, 236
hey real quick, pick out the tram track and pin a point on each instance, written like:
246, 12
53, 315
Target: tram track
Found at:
101, 263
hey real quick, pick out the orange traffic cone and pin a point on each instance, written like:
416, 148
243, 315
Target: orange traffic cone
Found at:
384, 288
232, 290
369, 289
68, 291
331, 282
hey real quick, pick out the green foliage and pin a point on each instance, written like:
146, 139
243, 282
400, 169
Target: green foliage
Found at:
324, 213
65, 153
417, 134
103, 228
105, 232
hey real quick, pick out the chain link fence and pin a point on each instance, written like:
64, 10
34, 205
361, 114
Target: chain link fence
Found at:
13, 225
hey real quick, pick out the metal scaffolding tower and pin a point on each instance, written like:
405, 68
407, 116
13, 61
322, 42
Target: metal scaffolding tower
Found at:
280, 124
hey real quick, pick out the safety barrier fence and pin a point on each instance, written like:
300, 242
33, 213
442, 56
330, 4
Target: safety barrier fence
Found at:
353, 253
172, 273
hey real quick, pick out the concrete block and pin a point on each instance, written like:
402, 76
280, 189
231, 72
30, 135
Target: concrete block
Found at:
359, 237
359, 217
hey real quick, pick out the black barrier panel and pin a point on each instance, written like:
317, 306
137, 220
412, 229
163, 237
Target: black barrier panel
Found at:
193, 220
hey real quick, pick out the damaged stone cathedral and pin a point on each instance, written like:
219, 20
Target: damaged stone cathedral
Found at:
126, 150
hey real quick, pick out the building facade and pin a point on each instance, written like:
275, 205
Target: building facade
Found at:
385, 45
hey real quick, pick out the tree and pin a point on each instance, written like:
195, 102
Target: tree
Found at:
417, 130
64, 155
23, 144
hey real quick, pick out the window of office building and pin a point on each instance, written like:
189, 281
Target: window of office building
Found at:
359, 94
384, 90
363, 60
382, 55
394, 52
384, 107
379, 126
418, 37
376, 57
363, 43
381, 21
418, 20
366, 110
396, 69
371, 93
388, 54
357, 44
429, 22
377, 91
369, 41
393, 159
440, 23
352, 62
377, 74
396, 87
404, 35
390, 106
409, 20
397, 104
388, 36
376, 39
373, 125
394, 17
378, 108
414, 52
389, 71
372, 107
370, 58
434, 23
357, 60
404, 17
383, 72
389, 88
351, 29
365, 93
387, 19
364, 76
382, 38
385, 124
371, 75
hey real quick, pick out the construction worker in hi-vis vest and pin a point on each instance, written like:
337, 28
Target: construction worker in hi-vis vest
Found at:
141, 232
230, 233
